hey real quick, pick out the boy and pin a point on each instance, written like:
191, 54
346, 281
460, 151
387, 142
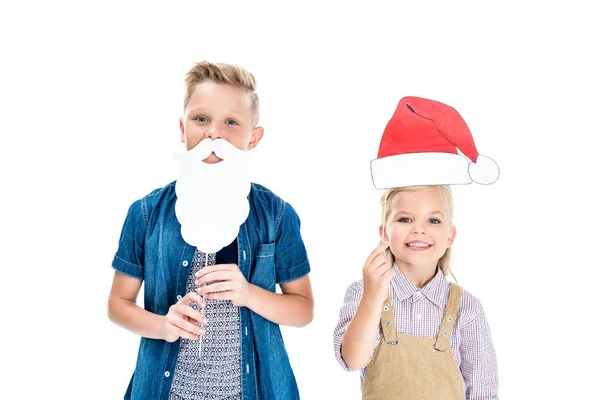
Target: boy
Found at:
242, 354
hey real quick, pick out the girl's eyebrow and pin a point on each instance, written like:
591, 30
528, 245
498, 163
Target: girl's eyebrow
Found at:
408, 213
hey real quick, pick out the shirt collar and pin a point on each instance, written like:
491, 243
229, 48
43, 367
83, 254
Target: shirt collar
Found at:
435, 291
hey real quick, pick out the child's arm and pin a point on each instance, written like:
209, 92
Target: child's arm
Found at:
478, 358
359, 338
294, 307
179, 322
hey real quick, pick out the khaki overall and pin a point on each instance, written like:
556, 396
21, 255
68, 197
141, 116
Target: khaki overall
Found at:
415, 368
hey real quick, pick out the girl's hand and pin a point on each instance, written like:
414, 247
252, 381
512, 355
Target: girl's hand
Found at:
226, 282
377, 274
181, 320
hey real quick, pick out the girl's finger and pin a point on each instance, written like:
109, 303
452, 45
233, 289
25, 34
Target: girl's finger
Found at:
378, 250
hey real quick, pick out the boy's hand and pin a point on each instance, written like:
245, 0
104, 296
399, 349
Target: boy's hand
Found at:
181, 320
377, 274
226, 282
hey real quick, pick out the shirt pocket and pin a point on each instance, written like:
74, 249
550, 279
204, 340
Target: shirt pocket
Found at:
263, 274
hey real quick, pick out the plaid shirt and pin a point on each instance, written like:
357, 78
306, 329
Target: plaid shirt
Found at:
419, 312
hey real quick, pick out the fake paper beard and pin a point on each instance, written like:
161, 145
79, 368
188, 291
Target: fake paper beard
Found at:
212, 199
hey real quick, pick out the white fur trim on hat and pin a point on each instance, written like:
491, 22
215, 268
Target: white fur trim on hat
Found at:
415, 169
485, 171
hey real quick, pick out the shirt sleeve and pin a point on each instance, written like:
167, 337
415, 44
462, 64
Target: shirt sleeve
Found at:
347, 312
478, 359
129, 258
291, 259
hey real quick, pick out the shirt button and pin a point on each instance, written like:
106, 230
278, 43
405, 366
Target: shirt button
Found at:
167, 374
419, 317
178, 297
185, 263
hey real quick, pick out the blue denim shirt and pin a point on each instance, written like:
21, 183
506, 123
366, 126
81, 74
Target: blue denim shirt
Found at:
270, 252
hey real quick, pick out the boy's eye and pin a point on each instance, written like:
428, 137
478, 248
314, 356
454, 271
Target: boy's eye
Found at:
435, 221
231, 122
201, 119
404, 219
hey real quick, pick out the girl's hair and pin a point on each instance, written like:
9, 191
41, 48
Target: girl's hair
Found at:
446, 196
225, 74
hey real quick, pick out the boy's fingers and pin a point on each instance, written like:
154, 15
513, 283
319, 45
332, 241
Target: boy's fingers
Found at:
185, 334
193, 315
187, 326
213, 268
217, 287
215, 277
192, 297
228, 295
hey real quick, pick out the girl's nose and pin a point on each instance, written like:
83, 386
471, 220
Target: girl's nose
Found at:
417, 229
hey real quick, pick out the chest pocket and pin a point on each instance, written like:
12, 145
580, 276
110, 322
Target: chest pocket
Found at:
263, 274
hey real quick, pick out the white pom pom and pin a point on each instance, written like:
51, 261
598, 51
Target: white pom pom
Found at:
485, 171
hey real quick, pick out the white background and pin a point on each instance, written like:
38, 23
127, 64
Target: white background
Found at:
90, 99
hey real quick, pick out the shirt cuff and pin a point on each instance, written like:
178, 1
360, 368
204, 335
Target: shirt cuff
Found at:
127, 268
292, 274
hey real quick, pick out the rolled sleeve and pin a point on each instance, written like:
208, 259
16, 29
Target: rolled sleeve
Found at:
347, 312
129, 258
291, 259
478, 359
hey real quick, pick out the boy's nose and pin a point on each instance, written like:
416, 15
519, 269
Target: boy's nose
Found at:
213, 133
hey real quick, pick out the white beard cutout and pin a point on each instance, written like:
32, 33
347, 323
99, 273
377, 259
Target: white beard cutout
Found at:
212, 199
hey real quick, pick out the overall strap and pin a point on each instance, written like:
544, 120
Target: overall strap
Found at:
388, 324
442, 341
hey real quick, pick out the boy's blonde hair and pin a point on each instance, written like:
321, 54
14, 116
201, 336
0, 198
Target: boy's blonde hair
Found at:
446, 196
228, 74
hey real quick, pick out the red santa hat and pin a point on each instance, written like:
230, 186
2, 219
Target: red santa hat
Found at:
420, 146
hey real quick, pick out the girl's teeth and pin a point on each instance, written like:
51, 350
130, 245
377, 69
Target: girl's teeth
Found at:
418, 245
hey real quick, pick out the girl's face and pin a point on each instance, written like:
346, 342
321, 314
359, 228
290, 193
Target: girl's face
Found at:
418, 228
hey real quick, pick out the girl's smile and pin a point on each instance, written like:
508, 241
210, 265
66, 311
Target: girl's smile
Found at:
418, 245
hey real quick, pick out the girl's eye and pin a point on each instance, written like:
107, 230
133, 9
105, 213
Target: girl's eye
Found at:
404, 219
201, 119
231, 122
435, 221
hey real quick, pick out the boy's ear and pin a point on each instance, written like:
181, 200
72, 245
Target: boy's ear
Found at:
255, 137
182, 138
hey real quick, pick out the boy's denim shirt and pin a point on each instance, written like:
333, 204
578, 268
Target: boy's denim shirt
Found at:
270, 252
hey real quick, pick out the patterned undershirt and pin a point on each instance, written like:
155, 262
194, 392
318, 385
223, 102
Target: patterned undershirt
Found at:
214, 373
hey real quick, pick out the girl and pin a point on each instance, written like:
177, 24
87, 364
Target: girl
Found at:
413, 334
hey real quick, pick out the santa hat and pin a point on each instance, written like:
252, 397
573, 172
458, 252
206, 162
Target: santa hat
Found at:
420, 146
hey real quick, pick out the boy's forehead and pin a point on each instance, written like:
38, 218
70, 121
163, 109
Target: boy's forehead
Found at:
220, 96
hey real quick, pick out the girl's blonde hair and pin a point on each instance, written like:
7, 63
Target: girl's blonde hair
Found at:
225, 74
446, 196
